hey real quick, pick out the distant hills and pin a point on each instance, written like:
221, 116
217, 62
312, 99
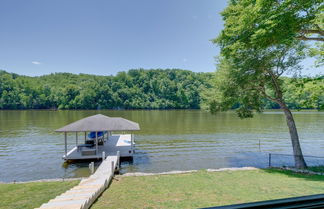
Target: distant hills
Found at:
134, 89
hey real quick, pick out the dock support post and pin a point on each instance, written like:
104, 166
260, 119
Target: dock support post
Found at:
118, 161
91, 167
112, 167
103, 155
96, 143
118, 156
132, 141
65, 141
85, 136
76, 138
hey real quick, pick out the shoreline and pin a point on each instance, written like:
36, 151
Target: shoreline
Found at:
170, 173
135, 174
191, 171
43, 180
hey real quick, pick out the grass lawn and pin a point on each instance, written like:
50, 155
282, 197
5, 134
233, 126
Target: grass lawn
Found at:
205, 189
31, 195
319, 169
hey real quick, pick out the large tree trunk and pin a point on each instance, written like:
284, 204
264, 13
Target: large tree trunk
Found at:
298, 155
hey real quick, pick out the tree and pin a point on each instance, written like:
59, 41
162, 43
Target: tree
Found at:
265, 23
260, 42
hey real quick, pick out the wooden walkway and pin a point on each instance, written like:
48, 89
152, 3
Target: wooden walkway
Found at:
83, 195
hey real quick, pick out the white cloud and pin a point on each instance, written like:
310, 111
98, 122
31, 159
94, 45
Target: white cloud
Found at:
35, 63
184, 59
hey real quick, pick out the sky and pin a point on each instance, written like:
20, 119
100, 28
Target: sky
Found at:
104, 37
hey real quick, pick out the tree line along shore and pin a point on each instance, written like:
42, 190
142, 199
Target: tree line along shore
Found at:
137, 89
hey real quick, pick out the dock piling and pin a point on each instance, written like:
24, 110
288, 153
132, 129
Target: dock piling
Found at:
103, 155
91, 167
118, 157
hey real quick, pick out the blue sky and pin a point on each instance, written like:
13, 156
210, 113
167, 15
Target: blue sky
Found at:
106, 36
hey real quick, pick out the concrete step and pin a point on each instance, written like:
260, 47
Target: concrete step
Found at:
65, 204
62, 196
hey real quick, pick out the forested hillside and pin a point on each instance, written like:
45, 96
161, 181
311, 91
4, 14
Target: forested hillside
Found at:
135, 89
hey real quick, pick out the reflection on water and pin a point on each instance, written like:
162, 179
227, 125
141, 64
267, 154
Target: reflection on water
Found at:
168, 140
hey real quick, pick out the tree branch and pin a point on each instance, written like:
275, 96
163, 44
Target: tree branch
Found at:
262, 90
312, 31
304, 38
279, 70
275, 85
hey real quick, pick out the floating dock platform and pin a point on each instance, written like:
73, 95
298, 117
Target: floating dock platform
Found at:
123, 143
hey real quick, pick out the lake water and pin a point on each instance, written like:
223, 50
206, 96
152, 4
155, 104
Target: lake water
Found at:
168, 140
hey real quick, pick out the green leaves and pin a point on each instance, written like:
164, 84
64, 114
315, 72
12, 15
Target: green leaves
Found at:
258, 46
136, 89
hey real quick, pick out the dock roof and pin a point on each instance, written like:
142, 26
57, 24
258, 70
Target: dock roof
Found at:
100, 122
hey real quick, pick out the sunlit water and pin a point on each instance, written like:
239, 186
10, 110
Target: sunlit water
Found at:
168, 140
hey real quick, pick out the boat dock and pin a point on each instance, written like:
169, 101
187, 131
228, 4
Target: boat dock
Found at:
124, 143
83, 195
99, 137
98, 143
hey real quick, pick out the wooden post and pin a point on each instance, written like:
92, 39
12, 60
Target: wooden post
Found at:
112, 167
118, 161
269, 160
96, 143
132, 141
76, 138
103, 155
85, 136
91, 167
65, 141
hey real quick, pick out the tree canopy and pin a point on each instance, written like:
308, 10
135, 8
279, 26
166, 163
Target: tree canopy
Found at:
262, 41
135, 89
264, 23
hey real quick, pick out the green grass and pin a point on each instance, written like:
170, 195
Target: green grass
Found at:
319, 169
31, 195
205, 189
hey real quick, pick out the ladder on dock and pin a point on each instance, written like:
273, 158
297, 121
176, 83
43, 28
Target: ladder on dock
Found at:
83, 195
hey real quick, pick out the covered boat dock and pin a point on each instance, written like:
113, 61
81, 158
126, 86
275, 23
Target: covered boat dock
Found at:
98, 138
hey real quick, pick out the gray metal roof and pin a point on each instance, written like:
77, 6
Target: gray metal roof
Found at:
100, 122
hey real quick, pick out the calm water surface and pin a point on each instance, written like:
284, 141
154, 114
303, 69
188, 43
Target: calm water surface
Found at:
168, 140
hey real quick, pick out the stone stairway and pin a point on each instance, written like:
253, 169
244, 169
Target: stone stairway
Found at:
83, 195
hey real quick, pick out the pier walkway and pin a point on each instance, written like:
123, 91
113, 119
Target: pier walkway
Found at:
83, 195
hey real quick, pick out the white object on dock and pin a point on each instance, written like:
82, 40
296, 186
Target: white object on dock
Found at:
83, 195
